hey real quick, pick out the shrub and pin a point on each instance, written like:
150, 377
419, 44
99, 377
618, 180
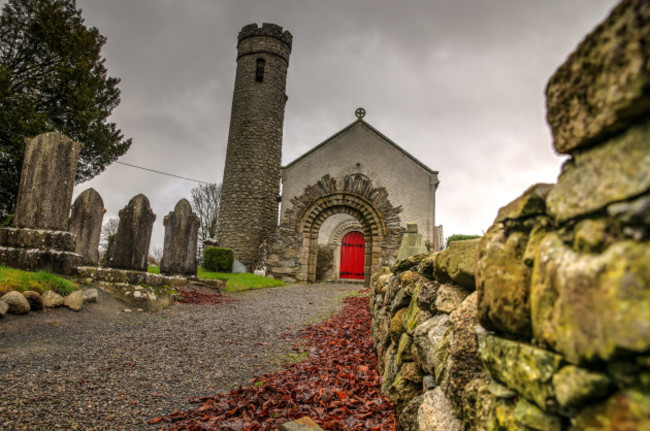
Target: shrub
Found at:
460, 237
7, 221
218, 259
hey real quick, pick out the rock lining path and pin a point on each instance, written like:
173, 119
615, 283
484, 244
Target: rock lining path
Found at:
103, 369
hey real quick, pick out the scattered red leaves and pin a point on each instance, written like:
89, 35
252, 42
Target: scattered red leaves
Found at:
337, 386
193, 297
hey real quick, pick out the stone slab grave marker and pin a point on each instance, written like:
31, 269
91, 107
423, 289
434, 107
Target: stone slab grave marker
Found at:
129, 247
38, 240
411, 243
46, 182
181, 240
86, 222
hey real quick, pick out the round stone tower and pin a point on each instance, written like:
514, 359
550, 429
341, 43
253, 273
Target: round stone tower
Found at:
251, 181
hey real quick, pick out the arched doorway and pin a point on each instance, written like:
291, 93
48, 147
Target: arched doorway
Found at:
313, 216
353, 252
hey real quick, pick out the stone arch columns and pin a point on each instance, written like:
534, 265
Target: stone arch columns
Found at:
312, 217
294, 249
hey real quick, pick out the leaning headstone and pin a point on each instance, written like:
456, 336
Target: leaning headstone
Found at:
46, 182
412, 244
39, 240
181, 240
238, 267
86, 222
130, 245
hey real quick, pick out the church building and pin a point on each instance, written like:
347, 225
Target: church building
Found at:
344, 204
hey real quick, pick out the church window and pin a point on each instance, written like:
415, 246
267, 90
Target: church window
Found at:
259, 72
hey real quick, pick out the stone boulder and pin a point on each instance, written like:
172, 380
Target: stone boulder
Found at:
601, 88
436, 413
426, 338
408, 420
52, 299
90, 295
449, 297
463, 363
303, 424
457, 264
17, 303
575, 387
529, 416
402, 391
626, 410
527, 369
590, 307
530, 204
408, 263
74, 301
605, 174
35, 299
503, 281
3, 309
426, 300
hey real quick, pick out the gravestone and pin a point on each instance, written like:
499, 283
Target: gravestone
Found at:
129, 247
38, 240
46, 182
412, 244
86, 222
181, 240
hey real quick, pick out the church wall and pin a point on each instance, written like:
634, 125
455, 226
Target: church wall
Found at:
407, 183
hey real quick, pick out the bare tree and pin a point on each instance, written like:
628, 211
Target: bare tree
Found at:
155, 256
205, 202
108, 228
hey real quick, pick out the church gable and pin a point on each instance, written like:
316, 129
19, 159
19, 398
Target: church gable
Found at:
359, 140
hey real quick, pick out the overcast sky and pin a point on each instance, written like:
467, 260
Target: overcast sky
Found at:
457, 83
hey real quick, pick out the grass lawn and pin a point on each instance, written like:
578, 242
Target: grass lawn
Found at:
41, 281
234, 282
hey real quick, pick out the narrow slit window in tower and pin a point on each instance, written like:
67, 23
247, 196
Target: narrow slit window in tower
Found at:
259, 72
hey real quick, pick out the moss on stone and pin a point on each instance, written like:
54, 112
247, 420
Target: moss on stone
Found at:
627, 410
590, 307
457, 264
404, 350
574, 386
531, 203
524, 368
503, 281
533, 417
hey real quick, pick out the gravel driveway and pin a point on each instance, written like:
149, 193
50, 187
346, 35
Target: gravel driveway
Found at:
103, 369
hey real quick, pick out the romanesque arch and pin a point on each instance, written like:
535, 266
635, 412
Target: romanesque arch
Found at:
312, 217
353, 195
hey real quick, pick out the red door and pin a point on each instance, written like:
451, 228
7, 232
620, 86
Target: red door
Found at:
353, 253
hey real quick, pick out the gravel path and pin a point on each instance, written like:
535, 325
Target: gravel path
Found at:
103, 369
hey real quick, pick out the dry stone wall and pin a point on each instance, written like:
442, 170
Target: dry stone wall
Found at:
544, 322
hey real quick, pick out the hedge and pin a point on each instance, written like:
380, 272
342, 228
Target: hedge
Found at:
218, 259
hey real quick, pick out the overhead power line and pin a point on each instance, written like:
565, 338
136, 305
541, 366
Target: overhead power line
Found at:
162, 173
133, 166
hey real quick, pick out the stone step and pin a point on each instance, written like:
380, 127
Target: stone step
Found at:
42, 239
34, 259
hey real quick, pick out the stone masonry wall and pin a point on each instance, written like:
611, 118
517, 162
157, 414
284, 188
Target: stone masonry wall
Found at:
251, 183
544, 323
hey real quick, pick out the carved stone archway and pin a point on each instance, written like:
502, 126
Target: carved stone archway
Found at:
294, 249
312, 217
